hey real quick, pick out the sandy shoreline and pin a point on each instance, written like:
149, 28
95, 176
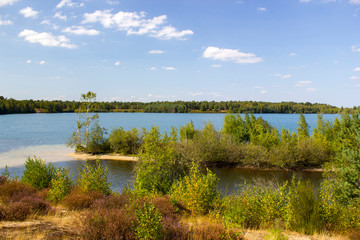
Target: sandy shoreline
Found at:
117, 157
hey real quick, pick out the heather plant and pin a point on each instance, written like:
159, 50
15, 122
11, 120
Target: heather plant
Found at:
197, 191
93, 177
214, 231
3, 179
15, 190
78, 199
102, 223
37, 173
60, 185
20, 210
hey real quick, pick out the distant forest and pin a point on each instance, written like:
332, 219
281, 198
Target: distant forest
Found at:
8, 106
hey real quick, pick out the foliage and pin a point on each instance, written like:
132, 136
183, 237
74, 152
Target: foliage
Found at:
10, 105
60, 185
303, 208
158, 166
214, 231
196, 190
93, 177
149, 222
255, 206
37, 173
125, 142
97, 143
187, 132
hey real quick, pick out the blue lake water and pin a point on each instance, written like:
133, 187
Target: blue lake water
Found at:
44, 135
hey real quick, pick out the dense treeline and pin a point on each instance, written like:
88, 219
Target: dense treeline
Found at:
8, 106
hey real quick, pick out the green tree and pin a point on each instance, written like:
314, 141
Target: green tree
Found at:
303, 127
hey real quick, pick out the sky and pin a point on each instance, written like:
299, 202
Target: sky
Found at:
161, 50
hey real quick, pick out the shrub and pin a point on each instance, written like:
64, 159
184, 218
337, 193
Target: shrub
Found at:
303, 210
174, 229
15, 190
111, 202
149, 222
255, 206
125, 142
103, 223
78, 199
60, 185
19, 211
164, 205
158, 166
37, 173
94, 178
3, 179
196, 190
275, 234
97, 143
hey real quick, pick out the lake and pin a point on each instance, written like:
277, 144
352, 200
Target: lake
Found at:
44, 135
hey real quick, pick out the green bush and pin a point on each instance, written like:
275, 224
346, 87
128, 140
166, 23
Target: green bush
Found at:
37, 173
255, 206
149, 222
158, 166
303, 208
125, 142
196, 190
60, 185
93, 177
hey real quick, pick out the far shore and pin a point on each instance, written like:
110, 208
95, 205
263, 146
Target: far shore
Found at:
117, 157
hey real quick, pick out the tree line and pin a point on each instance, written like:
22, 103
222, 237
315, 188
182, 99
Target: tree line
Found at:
9, 106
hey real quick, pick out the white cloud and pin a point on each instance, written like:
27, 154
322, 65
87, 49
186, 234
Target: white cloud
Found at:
305, 1
357, 69
354, 77
261, 9
156, 52
42, 62
263, 91
169, 68
117, 63
28, 12
7, 2
286, 76
153, 68
302, 83
59, 16
169, 32
112, 2
357, 2
47, 22
28, 61
79, 30
68, 3
46, 39
216, 66
355, 48
232, 55
136, 23
292, 54
5, 22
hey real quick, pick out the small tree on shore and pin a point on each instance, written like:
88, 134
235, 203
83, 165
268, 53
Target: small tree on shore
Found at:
80, 138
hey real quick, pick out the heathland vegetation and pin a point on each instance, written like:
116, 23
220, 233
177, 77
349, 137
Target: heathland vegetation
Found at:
8, 106
174, 195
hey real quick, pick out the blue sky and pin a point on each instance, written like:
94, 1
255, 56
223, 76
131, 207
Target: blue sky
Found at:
142, 50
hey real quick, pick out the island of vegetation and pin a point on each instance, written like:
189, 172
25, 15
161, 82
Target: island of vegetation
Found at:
174, 195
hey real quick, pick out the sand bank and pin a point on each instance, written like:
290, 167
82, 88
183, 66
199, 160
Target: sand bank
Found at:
117, 157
